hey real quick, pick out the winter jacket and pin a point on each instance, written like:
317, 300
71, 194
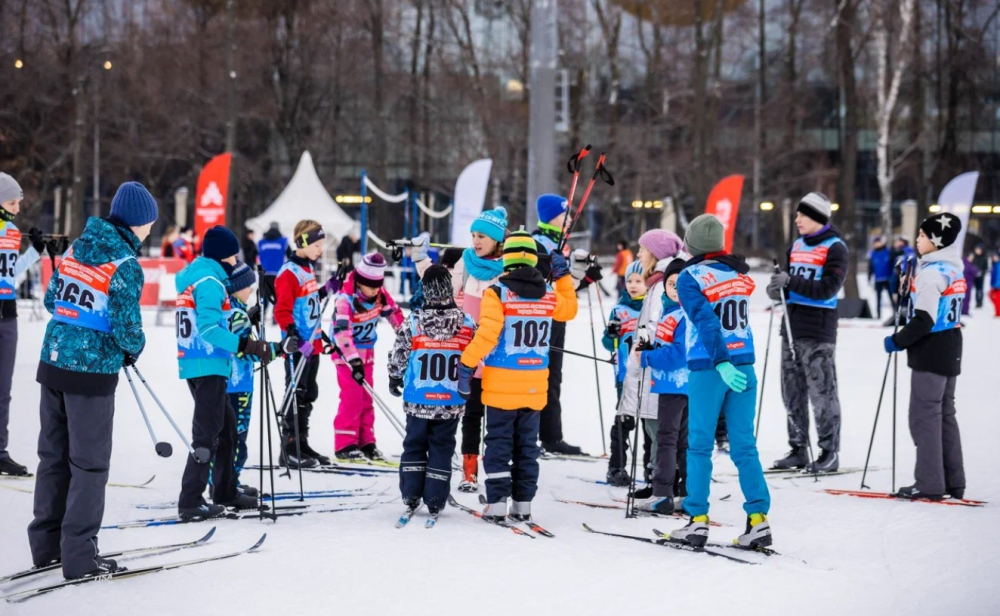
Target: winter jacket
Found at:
512, 389
440, 324
83, 361
995, 275
667, 362
703, 320
271, 250
241, 375
982, 263
349, 306
10, 240
213, 327
627, 313
937, 352
808, 322
286, 291
880, 264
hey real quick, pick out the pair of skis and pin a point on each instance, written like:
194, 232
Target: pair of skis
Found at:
238, 515
960, 502
18, 597
404, 519
507, 523
593, 505
664, 539
345, 493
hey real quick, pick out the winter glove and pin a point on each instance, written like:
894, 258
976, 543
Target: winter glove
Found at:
395, 387
580, 263
418, 247
263, 351
35, 236
291, 344
253, 315
778, 283
333, 285
465, 380
732, 377
614, 329
594, 273
643, 345
890, 345
267, 289
358, 371
560, 269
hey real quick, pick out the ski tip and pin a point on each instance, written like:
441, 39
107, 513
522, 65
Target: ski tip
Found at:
143, 485
257, 545
587, 528
207, 536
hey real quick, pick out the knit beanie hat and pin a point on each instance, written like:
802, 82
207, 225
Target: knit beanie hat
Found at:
817, 206
437, 285
705, 235
550, 206
241, 278
371, 271
519, 250
635, 267
220, 243
661, 243
674, 267
942, 229
9, 189
491, 223
133, 205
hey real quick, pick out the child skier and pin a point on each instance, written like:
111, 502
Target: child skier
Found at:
667, 362
619, 337
205, 349
428, 344
714, 292
513, 342
932, 339
360, 304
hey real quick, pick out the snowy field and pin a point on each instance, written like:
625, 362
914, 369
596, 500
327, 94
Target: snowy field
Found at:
864, 556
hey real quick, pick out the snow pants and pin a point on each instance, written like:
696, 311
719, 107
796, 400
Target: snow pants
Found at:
472, 421
550, 429
8, 353
511, 460
74, 451
354, 423
811, 377
425, 466
213, 427
670, 454
935, 432
882, 286
708, 397
306, 393
241, 403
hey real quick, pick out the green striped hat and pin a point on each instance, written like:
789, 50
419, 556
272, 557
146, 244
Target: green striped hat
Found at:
519, 249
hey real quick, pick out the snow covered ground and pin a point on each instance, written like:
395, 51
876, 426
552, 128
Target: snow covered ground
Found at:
864, 556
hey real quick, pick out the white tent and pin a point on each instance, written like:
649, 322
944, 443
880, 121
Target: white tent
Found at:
304, 197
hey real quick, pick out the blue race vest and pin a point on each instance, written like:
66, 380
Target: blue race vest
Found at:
241, 375
524, 339
549, 243
629, 318
949, 312
82, 293
364, 321
673, 379
728, 292
306, 309
432, 372
808, 261
10, 251
190, 344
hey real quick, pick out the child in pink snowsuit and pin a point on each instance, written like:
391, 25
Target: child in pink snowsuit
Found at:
357, 309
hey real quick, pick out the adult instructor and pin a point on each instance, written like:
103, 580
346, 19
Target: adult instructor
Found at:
817, 264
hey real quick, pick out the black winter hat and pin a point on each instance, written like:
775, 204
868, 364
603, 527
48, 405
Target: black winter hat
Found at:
942, 229
437, 285
674, 267
220, 243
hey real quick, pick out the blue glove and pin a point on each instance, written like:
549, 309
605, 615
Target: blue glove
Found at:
890, 345
560, 268
465, 380
732, 377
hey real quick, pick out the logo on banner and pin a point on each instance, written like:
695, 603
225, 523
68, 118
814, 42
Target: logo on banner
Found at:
212, 196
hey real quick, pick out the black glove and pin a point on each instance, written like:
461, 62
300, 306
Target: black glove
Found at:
395, 386
358, 371
593, 273
614, 329
35, 236
643, 345
290, 344
264, 351
253, 315
129, 358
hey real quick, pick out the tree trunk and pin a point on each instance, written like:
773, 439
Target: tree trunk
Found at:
700, 128
848, 136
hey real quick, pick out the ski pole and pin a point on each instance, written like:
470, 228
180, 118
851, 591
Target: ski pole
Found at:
265, 406
763, 378
791, 347
574, 167
201, 455
597, 375
641, 338
605, 175
788, 321
591, 357
163, 448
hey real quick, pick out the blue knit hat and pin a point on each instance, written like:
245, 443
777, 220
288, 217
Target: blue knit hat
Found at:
241, 278
220, 243
491, 223
550, 206
635, 267
133, 205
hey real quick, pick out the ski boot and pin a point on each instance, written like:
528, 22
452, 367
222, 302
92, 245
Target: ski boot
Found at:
248, 490
722, 446
798, 457
956, 493
470, 474
828, 462
912, 493
289, 457
520, 511
618, 478
9, 467
495, 512
307, 450
372, 453
105, 566
243, 502
203, 511
562, 448
643, 493
412, 503
695, 533
656, 504
758, 533
351, 453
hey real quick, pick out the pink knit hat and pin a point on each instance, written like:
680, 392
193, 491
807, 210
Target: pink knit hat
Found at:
371, 271
661, 243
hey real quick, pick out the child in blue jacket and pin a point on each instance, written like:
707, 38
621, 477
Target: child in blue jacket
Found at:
666, 360
714, 292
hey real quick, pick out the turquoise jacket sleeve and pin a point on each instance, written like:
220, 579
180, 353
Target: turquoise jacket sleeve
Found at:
212, 324
703, 318
123, 307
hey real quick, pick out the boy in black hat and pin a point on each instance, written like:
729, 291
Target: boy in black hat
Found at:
933, 342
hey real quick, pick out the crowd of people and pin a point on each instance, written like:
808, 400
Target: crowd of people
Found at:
483, 343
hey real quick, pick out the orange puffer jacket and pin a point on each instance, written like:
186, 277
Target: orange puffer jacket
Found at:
515, 388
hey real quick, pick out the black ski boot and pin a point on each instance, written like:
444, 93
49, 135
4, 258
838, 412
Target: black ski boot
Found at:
307, 450
9, 467
248, 490
956, 493
828, 462
912, 493
372, 453
243, 502
562, 448
290, 456
644, 493
203, 511
618, 478
351, 453
105, 566
798, 457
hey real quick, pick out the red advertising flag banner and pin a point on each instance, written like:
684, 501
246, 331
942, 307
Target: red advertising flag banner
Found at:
210, 200
724, 203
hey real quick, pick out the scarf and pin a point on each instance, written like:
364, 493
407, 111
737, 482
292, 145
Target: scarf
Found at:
480, 268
